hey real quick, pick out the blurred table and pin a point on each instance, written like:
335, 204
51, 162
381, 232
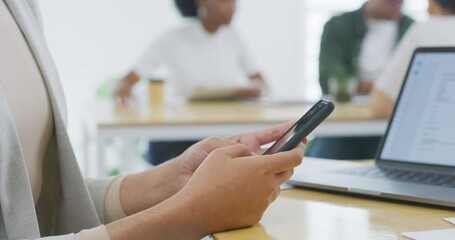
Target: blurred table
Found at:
307, 215
200, 120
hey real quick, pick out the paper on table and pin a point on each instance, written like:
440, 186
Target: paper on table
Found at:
450, 220
447, 234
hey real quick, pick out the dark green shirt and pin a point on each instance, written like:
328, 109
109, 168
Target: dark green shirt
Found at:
341, 44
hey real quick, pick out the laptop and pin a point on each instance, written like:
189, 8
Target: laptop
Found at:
416, 159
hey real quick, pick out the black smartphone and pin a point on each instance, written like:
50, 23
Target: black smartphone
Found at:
302, 128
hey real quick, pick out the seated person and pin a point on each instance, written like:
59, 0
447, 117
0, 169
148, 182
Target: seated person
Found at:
218, 184
439, 30
205, 52
358, 44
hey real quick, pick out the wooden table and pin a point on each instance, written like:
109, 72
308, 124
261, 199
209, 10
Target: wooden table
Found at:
202, 120
307, 215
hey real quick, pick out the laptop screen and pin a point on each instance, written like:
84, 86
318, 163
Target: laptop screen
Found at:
422, 129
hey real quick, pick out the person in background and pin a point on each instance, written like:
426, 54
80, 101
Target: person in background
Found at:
360, 43
439, 30
357, 45
218, 184
204, 52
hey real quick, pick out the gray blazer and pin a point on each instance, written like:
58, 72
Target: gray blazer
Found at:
67, 204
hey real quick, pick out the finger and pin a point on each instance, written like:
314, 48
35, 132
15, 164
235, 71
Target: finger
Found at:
283, 161
305, 141
216, 142
275, 195
265, 136
284, 177
272, 134
234, 151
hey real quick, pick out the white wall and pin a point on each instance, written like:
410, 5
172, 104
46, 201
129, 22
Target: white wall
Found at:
270, 28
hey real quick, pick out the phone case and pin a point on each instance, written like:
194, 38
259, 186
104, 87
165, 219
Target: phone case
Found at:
315, 116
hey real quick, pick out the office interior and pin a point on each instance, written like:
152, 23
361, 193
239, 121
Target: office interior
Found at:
96, 43
283, 38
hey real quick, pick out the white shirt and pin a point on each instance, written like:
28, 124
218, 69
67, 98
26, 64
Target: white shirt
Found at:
195, 58
438, 31
377, 47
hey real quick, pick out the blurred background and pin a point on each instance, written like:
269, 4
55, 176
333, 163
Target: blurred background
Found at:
95, 42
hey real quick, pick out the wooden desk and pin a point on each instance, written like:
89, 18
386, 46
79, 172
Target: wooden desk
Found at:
202, 120
307, 215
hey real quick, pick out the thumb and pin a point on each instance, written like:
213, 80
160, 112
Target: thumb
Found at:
233, 151
284, 161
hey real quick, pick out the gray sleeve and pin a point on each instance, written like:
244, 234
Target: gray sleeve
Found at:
62, 237
97, 189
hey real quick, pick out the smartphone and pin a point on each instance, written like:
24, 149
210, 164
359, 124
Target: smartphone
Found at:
302, 128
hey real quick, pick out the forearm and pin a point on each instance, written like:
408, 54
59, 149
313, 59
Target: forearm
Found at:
124, 86
147, 189
381, 105
98, 233
176, 218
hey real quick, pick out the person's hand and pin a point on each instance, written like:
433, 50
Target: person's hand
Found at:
257, 89
195, 155
146, 189
191, 159
365, 87
123, 93
233, 187
254, 140
250, 92
123, 88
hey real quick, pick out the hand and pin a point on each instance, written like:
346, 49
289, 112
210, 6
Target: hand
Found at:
233, 187
251, 92
146, 189
258, 88
194, 156
122, 93
365, 87
254, 140
124, 86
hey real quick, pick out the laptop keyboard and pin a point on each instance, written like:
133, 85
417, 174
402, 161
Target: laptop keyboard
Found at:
434, 179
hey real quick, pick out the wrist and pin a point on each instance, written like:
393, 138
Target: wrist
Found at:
176, 218
182, 175
144, 190
187, 213
178, 175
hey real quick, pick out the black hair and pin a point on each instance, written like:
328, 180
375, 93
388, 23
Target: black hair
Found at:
187, 8
447, 4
